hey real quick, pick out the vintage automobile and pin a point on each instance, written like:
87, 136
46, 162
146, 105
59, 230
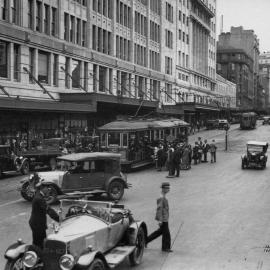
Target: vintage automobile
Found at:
11, 162
223, 123
82, 172
46, 153
211, 124
266, 120
256, 155
90, 235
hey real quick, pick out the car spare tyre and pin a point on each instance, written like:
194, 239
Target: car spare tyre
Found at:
27, 191
116, 190
52, 195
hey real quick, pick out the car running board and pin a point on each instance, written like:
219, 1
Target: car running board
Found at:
80, 194
118, 254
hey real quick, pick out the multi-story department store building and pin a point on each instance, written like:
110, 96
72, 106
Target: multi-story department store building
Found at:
70, 66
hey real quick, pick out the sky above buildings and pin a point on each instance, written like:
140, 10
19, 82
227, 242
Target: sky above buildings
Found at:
251, 14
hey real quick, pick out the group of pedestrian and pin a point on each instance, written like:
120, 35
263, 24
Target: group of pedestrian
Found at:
201, 149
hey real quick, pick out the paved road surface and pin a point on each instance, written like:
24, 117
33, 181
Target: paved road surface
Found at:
219, 213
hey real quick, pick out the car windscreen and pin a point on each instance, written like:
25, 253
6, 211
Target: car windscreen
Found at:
71, 208
255, 148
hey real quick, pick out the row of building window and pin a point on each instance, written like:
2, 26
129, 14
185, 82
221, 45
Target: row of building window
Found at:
10, 8
101, 40
140, 55
154, 31
183, 77
103, 7
183, 18
169, 12
140, 24
168, 39
74, 30
155, 6
123, 14
45, 20
168, 65
183, 60
123, 48
154, 60
183, 36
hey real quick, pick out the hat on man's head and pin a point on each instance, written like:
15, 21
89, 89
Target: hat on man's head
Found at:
165, 185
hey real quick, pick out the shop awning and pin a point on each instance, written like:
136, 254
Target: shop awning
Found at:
28, 104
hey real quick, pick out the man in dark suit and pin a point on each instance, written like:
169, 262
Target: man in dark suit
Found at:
177, 159
38, 219
162, 216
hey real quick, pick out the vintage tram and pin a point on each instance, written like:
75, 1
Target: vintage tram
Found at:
248, 120
135, 139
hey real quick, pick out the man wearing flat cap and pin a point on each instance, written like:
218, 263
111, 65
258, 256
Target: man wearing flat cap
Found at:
162, 216
38, 219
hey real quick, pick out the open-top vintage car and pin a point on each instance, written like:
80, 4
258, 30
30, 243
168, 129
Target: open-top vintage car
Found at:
90, 235
11, 162
82, 173
256, 155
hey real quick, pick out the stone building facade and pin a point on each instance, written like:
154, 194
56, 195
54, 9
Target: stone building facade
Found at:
70, 66
246, 40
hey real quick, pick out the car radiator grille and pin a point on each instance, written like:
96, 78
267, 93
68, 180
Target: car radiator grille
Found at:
53, 251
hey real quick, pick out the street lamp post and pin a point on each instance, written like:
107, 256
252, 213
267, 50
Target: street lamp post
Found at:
226, 127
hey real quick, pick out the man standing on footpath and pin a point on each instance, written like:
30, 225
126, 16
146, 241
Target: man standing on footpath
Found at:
213, 150
38, 219
162, 216
177, 159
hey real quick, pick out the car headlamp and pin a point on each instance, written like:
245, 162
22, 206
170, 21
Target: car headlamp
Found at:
66, 262
29, 259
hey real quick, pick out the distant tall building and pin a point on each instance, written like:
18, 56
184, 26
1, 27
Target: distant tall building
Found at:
242, 48
264, 73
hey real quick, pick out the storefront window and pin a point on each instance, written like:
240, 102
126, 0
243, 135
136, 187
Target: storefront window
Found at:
43, 67
75, 73
113, 139
3, 59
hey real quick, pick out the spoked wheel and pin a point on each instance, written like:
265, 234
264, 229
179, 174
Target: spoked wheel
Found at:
25, 168
28, 191
116, 190
14, 265
52, 195
97, 264
135, 257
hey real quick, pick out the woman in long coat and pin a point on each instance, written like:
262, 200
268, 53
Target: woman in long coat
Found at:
186, 159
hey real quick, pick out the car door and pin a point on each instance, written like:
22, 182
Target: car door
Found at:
95, 175
74, 179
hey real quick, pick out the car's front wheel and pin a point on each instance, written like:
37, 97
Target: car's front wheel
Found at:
52, 195
27, 192
116, 190
135, 257
25, 168
97, 264
14, 265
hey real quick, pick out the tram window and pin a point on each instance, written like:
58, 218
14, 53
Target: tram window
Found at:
103, 139
114, 139
125, 140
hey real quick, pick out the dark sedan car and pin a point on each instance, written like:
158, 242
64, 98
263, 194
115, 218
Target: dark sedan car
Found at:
10, 162
97, 172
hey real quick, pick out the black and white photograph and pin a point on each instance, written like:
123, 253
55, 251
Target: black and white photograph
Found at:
134, 134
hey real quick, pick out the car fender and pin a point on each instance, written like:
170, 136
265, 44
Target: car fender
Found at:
133, 231
115, 178
49, 183
87, 258
15, 250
